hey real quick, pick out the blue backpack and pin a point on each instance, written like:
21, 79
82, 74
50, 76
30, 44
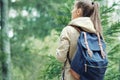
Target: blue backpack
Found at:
90, 60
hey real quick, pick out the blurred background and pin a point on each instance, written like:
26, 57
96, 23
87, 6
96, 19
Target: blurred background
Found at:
34, 27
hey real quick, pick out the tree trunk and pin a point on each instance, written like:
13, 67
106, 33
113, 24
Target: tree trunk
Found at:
119, 70
6, 58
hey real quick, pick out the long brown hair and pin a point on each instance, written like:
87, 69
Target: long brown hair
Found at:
90, 9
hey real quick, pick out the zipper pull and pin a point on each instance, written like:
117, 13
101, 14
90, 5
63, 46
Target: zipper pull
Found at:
85, 67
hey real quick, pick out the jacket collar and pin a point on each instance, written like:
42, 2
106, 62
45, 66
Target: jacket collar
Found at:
85, 23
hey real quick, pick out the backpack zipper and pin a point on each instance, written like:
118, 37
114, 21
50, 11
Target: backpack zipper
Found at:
93, 67
85, 67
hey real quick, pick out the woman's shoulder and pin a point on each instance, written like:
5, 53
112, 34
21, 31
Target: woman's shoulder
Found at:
69, 31
69, 28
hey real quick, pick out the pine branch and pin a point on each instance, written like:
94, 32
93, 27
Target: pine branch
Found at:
115, 28
110, 9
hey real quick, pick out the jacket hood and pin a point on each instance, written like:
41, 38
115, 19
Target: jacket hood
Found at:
85, 23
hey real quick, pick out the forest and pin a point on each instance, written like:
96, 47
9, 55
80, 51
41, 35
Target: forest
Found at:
30, 35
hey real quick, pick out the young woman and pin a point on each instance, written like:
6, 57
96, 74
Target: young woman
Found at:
85, 16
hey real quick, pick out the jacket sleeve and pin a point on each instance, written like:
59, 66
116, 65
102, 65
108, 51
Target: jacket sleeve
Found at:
63, 48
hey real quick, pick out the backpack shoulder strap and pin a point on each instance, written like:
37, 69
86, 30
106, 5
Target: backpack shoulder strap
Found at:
79, 29
76, 27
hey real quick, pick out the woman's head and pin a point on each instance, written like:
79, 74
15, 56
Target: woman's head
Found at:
82, 8
87, 8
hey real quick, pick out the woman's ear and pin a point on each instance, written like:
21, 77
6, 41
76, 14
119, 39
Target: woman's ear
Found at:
79, 12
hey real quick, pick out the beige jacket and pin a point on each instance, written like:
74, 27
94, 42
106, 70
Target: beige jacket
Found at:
68, 41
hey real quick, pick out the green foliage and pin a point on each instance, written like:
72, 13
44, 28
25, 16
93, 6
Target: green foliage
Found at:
53, 69
114, 53
111, 33
113, 29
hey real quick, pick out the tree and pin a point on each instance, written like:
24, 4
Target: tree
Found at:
5, 44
